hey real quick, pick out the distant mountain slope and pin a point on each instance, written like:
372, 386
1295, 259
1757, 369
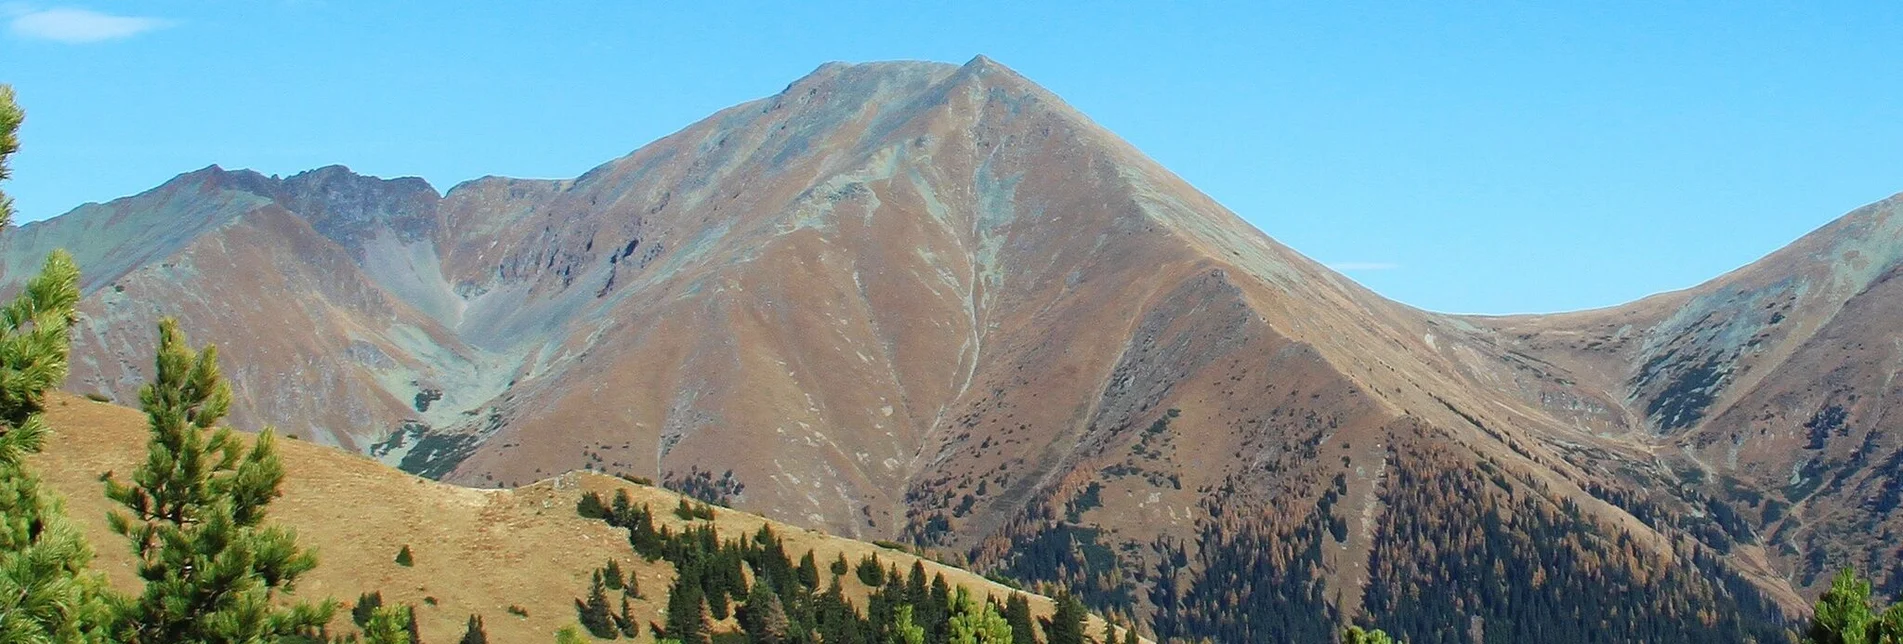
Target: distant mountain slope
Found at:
934, 302
475, 551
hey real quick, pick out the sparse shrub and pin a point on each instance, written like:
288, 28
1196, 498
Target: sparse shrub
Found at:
517, 610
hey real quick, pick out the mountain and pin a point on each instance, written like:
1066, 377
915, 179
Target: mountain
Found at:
474, 552
933, 302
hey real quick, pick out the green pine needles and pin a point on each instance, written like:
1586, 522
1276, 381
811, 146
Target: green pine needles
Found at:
47, 593
194, 512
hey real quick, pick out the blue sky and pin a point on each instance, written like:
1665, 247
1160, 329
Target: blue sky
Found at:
1470, 157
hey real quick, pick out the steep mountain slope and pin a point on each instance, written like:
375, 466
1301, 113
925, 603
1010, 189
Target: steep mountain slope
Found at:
933, 301
1769, 391
475, 551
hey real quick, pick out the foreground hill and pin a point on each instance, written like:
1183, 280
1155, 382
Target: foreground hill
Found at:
474, 551
933, 302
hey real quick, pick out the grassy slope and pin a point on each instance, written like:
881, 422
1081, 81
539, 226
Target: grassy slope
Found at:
476, 551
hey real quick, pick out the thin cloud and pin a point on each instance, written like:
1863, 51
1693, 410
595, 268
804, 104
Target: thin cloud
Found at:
78, 26
1363, 266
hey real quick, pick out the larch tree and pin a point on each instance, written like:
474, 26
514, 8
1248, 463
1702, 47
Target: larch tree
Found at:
47, 593
194, 512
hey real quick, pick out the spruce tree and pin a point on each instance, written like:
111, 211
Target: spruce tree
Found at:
367, 605
594, 613
474, 633
763, 617
195, 511
1017, 612
687, 616
870, 572
47, 594
1066, 625
809, 572
1130, 635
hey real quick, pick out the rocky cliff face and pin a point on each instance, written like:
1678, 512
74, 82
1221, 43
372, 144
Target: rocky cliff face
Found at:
933, 301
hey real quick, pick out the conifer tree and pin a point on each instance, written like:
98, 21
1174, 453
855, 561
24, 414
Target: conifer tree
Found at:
809, 571
594, 614
367, 605
687, 615
474, 633
389, 625
870, 572
47, 594
1066, 625
611, 575
10, 119
978, 623
763, 617
1130, 635
907, 630
1354, 635
624, 621
1842, 615
195, 510
1109, 631
1017, 612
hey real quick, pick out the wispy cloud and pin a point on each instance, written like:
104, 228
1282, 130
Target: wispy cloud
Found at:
76, 26
1363, 266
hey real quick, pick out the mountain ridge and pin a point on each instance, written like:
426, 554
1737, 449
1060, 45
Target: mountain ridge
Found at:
933, 301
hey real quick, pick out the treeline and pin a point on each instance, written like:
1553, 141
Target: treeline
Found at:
1469, 552
777, 599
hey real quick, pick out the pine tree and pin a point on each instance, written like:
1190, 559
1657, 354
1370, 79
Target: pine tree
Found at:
1066, 625
1130, 635
594, 614
870, 572
978, 623
809, 571
1354, 635
611, 575
10, 119
907, 631
213, 571
764, 616
474, 633
624, 621
389, 625
687, 616
1017, 612
367, 605
1842, 615
1109, 632
47, 594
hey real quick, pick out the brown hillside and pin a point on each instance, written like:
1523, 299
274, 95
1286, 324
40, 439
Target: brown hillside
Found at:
475, 551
